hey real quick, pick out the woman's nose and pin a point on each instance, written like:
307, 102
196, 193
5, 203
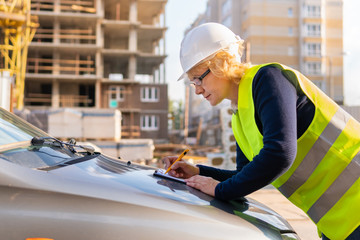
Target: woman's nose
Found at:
198, 90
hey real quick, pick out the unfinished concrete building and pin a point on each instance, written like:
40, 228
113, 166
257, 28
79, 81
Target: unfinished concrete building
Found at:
101, 54
303, 34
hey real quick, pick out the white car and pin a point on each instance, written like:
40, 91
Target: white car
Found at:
56, 190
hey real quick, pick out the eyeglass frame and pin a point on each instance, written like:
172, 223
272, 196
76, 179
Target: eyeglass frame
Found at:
198, 81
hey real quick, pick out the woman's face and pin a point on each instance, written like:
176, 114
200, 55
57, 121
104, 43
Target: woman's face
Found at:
212, 88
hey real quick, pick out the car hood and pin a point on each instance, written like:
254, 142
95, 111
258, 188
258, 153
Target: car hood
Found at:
115, 180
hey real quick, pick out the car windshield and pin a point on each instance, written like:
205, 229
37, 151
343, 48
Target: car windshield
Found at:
15, 144
13, 129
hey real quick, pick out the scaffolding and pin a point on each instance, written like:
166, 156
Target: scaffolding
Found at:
17, 28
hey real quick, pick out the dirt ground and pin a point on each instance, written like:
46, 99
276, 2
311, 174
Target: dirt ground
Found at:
272, 198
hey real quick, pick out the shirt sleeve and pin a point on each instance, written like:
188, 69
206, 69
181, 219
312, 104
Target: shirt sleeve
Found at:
275, 106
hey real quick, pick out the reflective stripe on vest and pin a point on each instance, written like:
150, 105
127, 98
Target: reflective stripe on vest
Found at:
316, 153
324, 178
339, 187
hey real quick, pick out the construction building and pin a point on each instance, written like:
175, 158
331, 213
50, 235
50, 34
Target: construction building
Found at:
306, 35
101, 54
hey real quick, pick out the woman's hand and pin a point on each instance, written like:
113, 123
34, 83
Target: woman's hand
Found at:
181, 169
204, 184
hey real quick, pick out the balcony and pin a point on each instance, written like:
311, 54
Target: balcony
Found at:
66, 6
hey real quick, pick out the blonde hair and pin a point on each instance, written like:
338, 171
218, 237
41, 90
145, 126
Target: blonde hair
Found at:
224, 64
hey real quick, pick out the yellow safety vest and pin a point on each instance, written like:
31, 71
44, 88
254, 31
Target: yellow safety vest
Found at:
324, 179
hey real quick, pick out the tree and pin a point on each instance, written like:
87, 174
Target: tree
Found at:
176, 114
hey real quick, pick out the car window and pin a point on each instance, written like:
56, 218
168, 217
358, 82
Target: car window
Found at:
14, 129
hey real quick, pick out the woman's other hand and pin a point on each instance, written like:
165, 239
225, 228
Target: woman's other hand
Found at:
205, 184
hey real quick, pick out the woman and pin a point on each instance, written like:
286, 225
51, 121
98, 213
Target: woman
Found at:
288, 133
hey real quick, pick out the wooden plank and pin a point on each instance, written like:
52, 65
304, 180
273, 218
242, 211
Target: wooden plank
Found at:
70, 100
84, 37
37, 35
132, 128
41, 30
79, 31
78, 8
85, 69
38, 6
39, 100
39, 95
68, 61
42, 1
83, 3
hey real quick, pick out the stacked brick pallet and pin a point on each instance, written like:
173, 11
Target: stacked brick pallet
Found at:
227, 158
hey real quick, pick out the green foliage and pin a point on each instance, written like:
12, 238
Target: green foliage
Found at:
176, 114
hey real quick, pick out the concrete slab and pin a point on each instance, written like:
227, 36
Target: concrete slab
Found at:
272, 198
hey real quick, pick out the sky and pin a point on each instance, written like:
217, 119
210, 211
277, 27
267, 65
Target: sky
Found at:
352, 51
181, 13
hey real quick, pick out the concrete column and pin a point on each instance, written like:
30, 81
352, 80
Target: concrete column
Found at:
56, 39
98, 93
55, 96
99, 6
133, 40
99, 65
57, 6
99, 34
133, 11
99, 61
99, 75
56, 64
132, 67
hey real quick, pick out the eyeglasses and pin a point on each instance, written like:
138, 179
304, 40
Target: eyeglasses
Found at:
198, 81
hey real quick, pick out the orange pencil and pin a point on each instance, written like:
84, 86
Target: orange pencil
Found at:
179, 158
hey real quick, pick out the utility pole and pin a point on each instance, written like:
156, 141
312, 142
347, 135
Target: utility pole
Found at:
186, 114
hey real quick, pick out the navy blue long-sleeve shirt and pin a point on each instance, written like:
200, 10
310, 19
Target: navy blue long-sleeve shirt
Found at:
282, 115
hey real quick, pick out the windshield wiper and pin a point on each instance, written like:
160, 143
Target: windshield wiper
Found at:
41, 141
69, 162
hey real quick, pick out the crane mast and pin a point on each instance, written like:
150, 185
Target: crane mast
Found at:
17, 28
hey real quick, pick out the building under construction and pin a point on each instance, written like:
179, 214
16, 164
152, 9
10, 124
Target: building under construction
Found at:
101, 54
305, 35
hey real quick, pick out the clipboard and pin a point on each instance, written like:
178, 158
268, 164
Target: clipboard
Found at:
161, 173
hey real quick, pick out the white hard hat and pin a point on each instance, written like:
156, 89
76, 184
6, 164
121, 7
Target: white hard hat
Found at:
203, 41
